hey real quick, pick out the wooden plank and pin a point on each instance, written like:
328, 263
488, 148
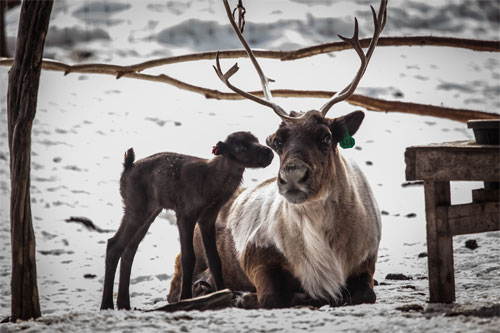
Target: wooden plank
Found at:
464, 145
439, 247
453, 161
472, 218
485, 195
477, 208
410, 159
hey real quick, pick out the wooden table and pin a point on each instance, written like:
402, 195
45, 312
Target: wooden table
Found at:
437, 165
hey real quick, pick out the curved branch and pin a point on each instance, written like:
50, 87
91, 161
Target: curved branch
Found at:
375, 104
369, 103
471, 44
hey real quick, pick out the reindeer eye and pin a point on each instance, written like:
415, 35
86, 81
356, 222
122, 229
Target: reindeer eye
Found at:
277, 145
327, 139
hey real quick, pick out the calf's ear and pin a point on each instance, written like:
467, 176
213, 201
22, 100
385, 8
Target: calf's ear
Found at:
349, 122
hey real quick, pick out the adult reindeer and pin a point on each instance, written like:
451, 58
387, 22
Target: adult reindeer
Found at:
311, 234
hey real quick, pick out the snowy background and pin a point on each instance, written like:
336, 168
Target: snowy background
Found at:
84, 123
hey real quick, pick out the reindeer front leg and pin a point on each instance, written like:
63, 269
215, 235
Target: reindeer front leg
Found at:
360, 284
272, 292
188, 258
265, 268
207, 228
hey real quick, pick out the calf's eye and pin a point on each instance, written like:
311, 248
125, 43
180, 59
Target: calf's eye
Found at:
239, 148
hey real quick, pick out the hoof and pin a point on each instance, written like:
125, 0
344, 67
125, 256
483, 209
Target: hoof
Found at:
201, 288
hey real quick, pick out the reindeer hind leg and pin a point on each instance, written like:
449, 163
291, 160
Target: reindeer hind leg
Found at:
114, 250
127, 259
188, 257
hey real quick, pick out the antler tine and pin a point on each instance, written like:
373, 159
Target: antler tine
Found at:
379, 23
225, 79
263, 79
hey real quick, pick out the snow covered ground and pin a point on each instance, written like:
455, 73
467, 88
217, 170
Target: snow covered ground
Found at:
84, 123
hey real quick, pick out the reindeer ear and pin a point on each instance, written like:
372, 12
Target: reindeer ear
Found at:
219, 148
349, 122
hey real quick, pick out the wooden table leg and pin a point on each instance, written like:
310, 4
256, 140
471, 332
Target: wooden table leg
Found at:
439, 244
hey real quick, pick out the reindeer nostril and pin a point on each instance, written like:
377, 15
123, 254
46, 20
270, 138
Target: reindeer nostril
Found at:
305, 177
281, 180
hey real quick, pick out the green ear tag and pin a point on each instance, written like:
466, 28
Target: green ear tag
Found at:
348, 141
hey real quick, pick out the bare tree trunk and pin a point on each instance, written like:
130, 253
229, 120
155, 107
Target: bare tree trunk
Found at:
3, 37
24, 78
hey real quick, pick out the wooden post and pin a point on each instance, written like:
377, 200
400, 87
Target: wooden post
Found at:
439, 243
3, 37
24, 77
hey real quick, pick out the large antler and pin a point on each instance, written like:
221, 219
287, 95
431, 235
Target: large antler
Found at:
379, 23
268, 101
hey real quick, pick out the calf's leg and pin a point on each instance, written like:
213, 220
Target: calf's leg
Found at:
127, 258
188, 258
114, 250
207, 228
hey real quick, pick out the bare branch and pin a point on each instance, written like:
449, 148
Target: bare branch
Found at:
471, 44
369, 103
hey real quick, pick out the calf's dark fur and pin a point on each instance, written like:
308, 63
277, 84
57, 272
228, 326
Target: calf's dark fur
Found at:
195, 189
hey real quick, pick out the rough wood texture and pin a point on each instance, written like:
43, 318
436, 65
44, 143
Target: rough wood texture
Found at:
461, 160
439, 247
472, 218
3, 38
22, 94
485, 195
437, 165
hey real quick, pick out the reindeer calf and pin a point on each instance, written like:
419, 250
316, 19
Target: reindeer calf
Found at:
194, 188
